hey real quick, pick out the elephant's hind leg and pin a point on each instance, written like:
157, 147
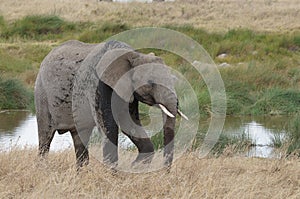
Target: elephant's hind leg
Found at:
45, 130
81, 146
45, 139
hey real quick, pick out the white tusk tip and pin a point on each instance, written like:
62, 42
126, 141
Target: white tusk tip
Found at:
165, 110
182, 115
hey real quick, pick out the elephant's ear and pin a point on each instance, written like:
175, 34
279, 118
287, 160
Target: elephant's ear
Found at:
114, 69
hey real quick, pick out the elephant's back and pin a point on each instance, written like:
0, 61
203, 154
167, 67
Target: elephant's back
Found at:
65, 58
56, 77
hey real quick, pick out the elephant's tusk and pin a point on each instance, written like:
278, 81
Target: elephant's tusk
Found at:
182, 115
165, 110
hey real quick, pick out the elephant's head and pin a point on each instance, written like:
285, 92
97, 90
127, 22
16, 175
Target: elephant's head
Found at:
143, 77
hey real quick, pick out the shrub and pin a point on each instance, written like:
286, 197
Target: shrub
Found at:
35, 27
2, 22
13, 95
294, 136
96, 35
275, 101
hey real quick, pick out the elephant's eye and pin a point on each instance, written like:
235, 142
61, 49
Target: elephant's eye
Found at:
150, 82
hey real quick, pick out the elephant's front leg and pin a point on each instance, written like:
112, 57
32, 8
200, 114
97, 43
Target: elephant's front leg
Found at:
138, 136
169, 134
108, 124
110, 142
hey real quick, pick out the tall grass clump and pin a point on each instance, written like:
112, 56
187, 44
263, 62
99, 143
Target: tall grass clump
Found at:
2, 23
13, 95
38, 27
13, 64
277, 140
99, 33
294, 136
243, 44
276, 101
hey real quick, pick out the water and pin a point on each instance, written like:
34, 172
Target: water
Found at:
19, 128
261, 130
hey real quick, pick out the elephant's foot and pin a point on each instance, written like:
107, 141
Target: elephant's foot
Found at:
143, 158
110, 164
82, 160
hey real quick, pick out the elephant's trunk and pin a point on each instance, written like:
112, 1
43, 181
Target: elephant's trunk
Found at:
168, 100
169, 134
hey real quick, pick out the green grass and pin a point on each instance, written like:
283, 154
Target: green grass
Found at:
13, 95
2, 22
38, 28
277, 141
12, 64
263, 76
294, 136
237, 144
96, 34
276, 101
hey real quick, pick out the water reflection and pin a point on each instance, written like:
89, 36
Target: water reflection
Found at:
19, 128
10, 120
261, 130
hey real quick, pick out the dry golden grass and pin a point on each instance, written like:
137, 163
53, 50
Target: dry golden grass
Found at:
23, 176
213, 15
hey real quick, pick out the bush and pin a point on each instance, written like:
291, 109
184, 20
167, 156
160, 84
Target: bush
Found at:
294, 136
96, 35
2, 23
13, 95
35, 27
277, 101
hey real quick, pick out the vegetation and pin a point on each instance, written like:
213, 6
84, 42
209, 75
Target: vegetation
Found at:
250, 56
190, 177
258, 56
250, 86
13, 95
37, 28
293, 140
212, 15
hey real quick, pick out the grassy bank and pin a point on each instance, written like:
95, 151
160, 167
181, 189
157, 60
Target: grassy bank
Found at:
189, 177
292, 141
260, 70
14, 95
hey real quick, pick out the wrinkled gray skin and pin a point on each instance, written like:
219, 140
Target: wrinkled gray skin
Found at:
74, 93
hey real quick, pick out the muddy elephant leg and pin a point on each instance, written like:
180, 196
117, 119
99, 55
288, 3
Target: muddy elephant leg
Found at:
169, 134
45, 139
140, 139
107, 124
145, 148
110, 141
81, 146
45, 130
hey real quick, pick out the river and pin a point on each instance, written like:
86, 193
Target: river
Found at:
19, 129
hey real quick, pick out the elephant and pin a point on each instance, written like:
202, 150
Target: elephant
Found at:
75, 91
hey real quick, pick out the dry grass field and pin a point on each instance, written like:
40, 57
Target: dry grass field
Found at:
23, 176
213, 15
